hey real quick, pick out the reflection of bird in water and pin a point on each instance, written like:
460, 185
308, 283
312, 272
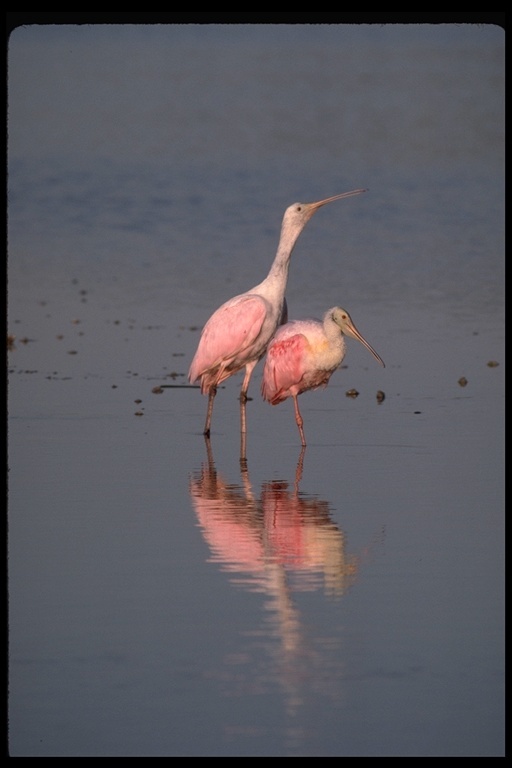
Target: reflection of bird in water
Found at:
305, 539
229, 515
237, 334
304, 354
284, 527
279, 542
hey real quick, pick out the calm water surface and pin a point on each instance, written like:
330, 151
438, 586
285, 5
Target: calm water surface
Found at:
164, 597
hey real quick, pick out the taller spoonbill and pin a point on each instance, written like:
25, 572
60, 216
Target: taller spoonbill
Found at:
304, 354
237, 334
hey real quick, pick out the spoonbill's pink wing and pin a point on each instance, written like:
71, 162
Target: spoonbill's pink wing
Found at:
284, 367
229, 339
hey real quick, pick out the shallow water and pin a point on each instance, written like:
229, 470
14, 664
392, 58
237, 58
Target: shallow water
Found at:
165, 599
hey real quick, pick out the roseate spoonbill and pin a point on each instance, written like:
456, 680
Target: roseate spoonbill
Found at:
304, 354
237, 334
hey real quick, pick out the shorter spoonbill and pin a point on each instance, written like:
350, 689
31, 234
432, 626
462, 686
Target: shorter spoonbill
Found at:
304, 354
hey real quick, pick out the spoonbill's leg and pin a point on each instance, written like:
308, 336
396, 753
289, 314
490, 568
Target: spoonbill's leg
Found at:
299, 420
243, 449
211, 398
243, 394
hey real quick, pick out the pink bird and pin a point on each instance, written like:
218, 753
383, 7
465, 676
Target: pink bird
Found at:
237, 334
304, 354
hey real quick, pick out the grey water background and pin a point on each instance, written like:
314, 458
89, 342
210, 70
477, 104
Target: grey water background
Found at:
163, 598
